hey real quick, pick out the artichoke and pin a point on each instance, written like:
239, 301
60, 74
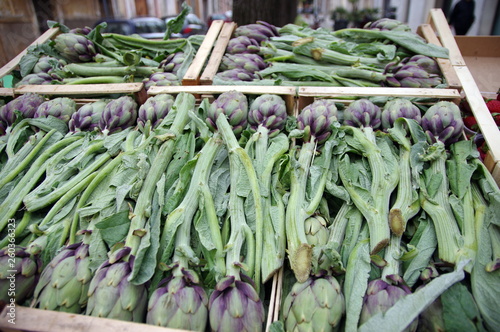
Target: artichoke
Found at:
399, 108
413, 74
259, 31
250, 62
118, 114
238, 74
155, 109
26, 104
429, 64
61, 108
83, 31
234, 105
317, 118
48, 64
380, 296
179, 303
443, 122
363, 113
161, 79
269, 111
387, 24
19, 273
317, 232
314, 305
235, 306
65, 281
110, 293
242, 45
173, 62
38, 79
75, 47
87, 117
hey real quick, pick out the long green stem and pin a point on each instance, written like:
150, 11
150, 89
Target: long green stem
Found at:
85, 71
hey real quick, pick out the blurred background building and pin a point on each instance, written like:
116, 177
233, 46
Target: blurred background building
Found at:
22, 21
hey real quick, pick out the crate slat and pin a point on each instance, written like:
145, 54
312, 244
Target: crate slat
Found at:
192, 76
217, 54
371, 91
7, 92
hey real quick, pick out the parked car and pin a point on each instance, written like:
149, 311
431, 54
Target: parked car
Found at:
147, 27
193, 25
218, 16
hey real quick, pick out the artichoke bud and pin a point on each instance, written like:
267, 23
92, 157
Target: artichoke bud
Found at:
47, 64
318, 116
62, 108
270, 111
87, 117
155, 109
362, 113
26, 104
161, 79
234, 105
316, 228
119, 114
75, 47
387, 24
399, 108
443, 122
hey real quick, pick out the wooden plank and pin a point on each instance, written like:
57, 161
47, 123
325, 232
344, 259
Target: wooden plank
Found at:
216, 89
217, 54
29, 319
12, 64
192, 75
437, 19
444, 64
483, 117
81, 89
7, 92
382, 91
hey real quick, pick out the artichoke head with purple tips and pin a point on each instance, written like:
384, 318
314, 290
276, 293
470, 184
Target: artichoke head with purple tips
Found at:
242, 45
269, 111
119, 114
317, 118
87, 117
75, 47
155, 109
363, 113
236, 75
235, 306
399, 108
260, 31
62, 108
387, 24
250, 62
26, 104
234, 105
39, 79
161, 79
179, 303
416, 72
443, 122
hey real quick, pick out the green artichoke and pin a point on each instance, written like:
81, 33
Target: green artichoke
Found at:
118, 114
317, 118
235, 306
363, 113
234, 105
38, 79
65, 281
314, 305
242, 44
173, 62
26, 104
443, 122
48, 64
87, 117
19, 273
399, 108
269, 111
161, 79
60, 107
75, 47
110, 293
179, 303
317, 232
155, 109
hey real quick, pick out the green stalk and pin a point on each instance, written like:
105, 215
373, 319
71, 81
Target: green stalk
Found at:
237, 153
6, 178
183, 103
86, 71
338, 227
162, 46
20, 227
55, 153
34, 201
97, 80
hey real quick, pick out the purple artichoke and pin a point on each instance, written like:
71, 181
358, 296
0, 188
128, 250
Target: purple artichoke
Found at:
87, 117
119, 114
269, 111
155, 109
19, 273
179, 303
172, 62
39, 79
161, 79
387, 24
234, 105
75, 47
259, 31
443, 122
65, 281
363, 113
110, 293
317, 119
248, 61
82, 31
235, 306
236, 75
242, 45
26, 104
48, 64
429, 64
61, 108
399, 108
314, 305
416, 72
